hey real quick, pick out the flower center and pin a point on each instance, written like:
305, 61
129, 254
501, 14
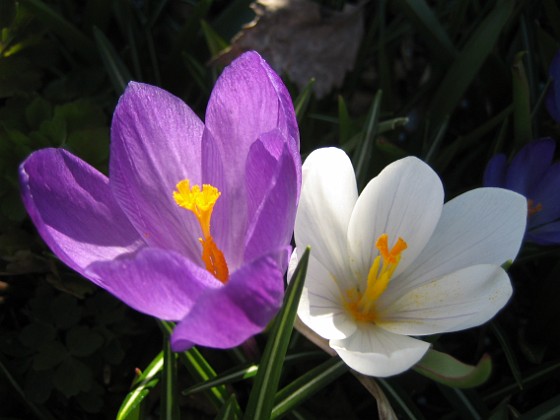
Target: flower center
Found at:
533, 208
361, 305
201, 203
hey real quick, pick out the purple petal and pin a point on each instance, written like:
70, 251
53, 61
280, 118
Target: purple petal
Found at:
547, 194
495, 172
529, 165
156, 282
271, 224
155, 144
74, 211
547, 234
228, 316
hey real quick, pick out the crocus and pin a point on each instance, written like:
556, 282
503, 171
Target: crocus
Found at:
396, 262
553, 97
532, 174
194, 222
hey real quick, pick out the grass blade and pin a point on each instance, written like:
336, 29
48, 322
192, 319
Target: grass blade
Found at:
262, 396
170, 407
117, 71
307, 385
144, 383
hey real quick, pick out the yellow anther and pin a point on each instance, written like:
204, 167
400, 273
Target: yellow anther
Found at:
201, 204
533, 208
362, 304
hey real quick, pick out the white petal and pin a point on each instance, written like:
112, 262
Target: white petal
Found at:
404, 200
482, 226
321, 306
328, 195
376, 352
460, 300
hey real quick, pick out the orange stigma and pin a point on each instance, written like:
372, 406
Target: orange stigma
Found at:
201, 203
533, 208
361, 305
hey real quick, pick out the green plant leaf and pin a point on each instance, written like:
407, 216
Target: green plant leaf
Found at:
117, 71
362, 154
307, 385
169, 393
467, 64
237, 374
449, 371
143, 384
302, 101
261, 399
213, 40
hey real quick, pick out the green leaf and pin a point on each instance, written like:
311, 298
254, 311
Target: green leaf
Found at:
50, 355
144, 383
549, 410
344, 122
117, 71
467, 64
82, 341
508, 351
363, 152
302, 101
237, 374
445, 369
307, 385
72, 377
60, 26
213, 40
521, 102
261, 399
429, 27
169, 393
228, 410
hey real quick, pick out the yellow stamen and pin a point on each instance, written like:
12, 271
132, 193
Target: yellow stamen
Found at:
533, 208
201, 203
362, 304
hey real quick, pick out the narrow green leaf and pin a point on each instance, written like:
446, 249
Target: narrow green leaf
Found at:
363, 152
549, 410
521, 102
467, 403
445, 369
237, 374
467, 64
261, 399
302, 101
214, 41
117, 71
228, 410
434, 144
402, 399
169, 394
7, 12
429, 27
60, 26
143, 384
307, 385
344, 122
508, 351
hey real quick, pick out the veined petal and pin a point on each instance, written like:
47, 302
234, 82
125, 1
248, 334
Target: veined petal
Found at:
156, 282
73, 209
228, 316
460, 300
321, 306
529, 165
272, 223
155, 143
482, 226
405, 200
328, 196
247, 101
373, 351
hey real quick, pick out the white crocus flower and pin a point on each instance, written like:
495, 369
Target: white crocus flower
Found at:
396, 262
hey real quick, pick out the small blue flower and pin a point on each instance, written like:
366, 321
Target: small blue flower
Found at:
532, 173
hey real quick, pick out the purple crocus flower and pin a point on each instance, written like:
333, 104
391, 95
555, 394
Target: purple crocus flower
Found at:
553, 97
194, 223
532, 174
